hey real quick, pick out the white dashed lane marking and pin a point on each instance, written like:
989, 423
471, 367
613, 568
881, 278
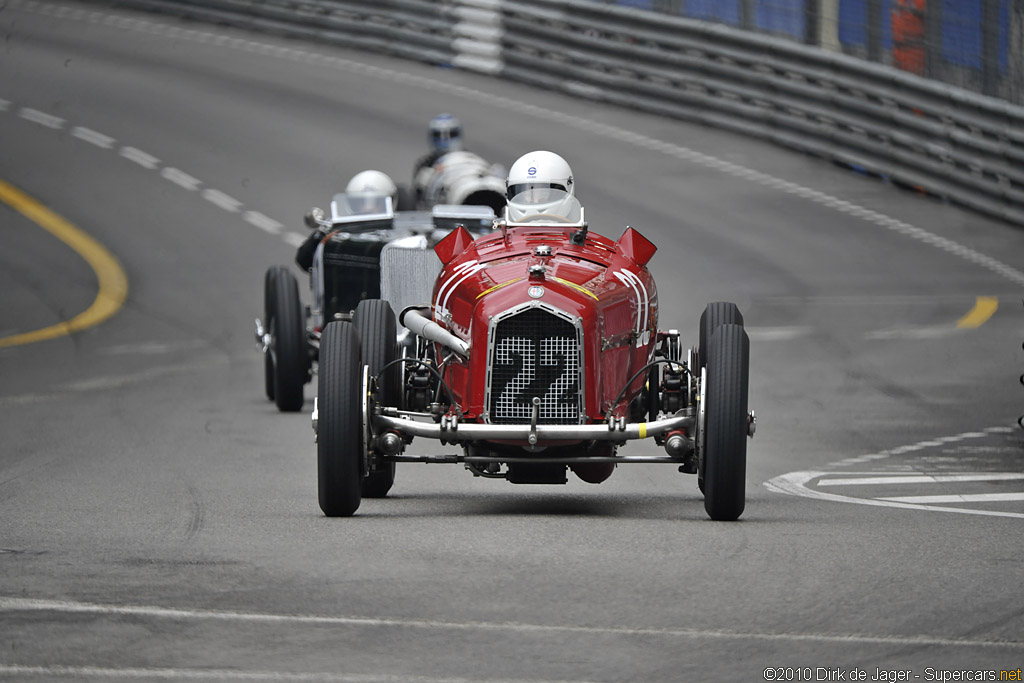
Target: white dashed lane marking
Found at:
92, 137
42, 118
147, 161
151, 163
257, 219
226, 202
294, 239
180, 178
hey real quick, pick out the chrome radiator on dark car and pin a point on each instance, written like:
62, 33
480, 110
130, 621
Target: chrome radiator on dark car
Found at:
535, 350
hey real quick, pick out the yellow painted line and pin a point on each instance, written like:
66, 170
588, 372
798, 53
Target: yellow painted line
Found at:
643, 430
496, 287
577, 287
983, 309
113, 284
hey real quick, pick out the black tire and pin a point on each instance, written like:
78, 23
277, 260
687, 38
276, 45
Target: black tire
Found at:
339, 442
375, 322
290, 359
268, 375
715, 314
725, 438
268, 360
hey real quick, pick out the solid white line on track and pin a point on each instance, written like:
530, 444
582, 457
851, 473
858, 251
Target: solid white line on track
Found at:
912, 333
796, 484
778, 333
235, 675
922, 479
1001, 430
958, 498
12, 604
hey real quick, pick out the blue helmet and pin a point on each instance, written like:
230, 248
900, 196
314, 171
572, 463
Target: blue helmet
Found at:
445, 133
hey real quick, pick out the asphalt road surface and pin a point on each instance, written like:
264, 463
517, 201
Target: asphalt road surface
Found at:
159, 518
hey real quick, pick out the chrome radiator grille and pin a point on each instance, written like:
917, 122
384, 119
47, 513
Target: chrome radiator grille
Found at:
535, 353
407, 275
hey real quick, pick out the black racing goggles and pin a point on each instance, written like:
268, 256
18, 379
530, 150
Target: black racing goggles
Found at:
445, 135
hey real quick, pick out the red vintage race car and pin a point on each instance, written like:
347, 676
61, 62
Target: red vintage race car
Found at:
539, 353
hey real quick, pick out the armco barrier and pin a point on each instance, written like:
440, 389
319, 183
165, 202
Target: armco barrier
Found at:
919, 133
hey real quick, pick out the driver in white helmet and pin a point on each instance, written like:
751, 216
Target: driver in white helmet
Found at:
366, 191
540, 187
365, 194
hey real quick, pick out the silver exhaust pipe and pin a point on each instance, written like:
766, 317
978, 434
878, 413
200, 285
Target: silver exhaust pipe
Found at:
428, 329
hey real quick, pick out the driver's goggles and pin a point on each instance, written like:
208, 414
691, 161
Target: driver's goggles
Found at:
535, 193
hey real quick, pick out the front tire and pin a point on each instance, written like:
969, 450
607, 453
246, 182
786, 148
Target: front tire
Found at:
339, 445
725, 439
375, 322
288, 363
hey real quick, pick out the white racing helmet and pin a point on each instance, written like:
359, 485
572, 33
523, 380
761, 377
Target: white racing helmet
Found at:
368, 186
539, 183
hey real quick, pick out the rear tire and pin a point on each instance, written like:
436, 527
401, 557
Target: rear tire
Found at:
725, 440
268, 360
375, 322
715, 314
339, 444
289, 357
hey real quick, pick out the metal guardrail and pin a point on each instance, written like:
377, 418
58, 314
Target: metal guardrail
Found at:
918, 133
414, 29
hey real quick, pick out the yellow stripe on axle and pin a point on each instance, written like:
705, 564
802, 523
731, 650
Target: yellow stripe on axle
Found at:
983, 309
113, 284
643, 430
